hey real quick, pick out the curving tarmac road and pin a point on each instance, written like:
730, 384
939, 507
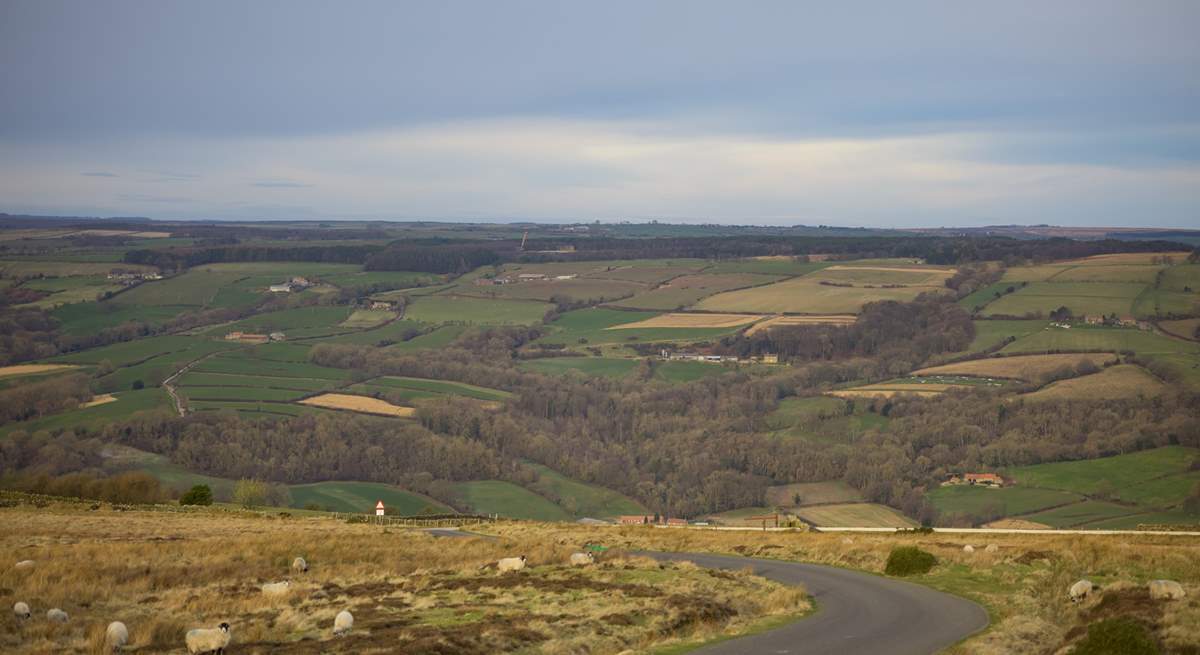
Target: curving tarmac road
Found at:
856, 612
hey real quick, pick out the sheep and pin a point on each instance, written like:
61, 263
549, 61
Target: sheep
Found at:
1166, 590
511, 564
992, 548
21, 610
342, 623
299, 565
968, 549
276, 588
582, 559
116, 636
208, 640
23, 565
1080, 590
56, 615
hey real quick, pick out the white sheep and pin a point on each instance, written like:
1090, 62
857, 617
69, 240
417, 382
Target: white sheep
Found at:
511, 564
1166, 590
299, 565
23, 565
208, 640
342, 623
968, 549
21, 610
116, 636
992, 548
582, 559
56, 615
1080, 590
276, 588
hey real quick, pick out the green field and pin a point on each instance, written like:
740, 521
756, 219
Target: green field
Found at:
989, 334
441, 387
588, 326
1108, 339
248, 409
299, 322
583, 500
1082, 298
1081, 514
195, 378
65, 290
241, 394
979, 298
438, 338
242, 365
362, 496
807, 295
386, 335
92, 418
688, 289
507, 499
785, 266
603, 366
970, 499
365, 319
129, 352
859, 515
89, 317
1122, 472
579, 289
1112, 383
475, 311
822, 419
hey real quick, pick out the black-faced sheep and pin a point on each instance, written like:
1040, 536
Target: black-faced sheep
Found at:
116, 636
342, 623
208, 640
511, 564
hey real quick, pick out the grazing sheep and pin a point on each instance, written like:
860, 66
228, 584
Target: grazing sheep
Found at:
342, 623
208, 640
968, 549
511, 564
21, 610
276, 588
992, 548
23, 565
1166, 590
1080, 590
116, 636
582, 559
56, 615
299, 565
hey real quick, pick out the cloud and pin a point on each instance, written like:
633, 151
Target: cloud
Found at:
99, 174
281, 184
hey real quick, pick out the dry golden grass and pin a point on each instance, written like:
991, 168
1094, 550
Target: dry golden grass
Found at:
29, 369
1025, 367
363, 404
1113, 383
934, 271
102, 399
678, 320
889, 389
783, 321
1125, 258
1016, 524
163, 573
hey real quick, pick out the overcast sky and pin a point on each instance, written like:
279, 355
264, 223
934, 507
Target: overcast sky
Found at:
847, 113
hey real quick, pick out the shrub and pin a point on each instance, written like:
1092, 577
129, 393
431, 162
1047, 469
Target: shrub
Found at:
1120, 636
200, 494
249, 493
909, 560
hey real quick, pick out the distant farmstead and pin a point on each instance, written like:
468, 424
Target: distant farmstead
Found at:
645, 519
248, 337
976, 479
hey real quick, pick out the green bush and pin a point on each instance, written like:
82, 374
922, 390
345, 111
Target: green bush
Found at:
909, 560
197, 495
1119, 636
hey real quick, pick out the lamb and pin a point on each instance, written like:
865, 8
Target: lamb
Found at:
21, 610
23, 565
56, 615
1166, 590
1080, 590
342, 623
116, 636
208, 640
299, 565
968, 549
276, 588
511, 564
582, 559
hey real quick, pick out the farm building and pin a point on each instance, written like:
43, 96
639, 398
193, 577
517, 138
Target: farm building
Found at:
529, 277
979, 479
247, 337
382, 304
286, 287
277, 336
646, 519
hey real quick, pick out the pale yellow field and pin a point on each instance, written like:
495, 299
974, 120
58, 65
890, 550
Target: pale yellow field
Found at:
29, 369
691, 321
923, 390
783, 321
102, 399
1113, 383
1016, 524
366, 318
354, 403
806, 295
1026, 367
1126, 258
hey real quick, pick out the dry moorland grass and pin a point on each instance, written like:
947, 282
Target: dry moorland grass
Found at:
680, 320
163, 573
363, 404
29, 369
1026, 367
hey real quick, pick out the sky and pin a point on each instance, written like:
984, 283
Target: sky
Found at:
884, 114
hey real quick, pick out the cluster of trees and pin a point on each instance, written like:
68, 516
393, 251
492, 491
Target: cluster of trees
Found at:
175, 259
433, 257
26, 334
28, 400
131, 487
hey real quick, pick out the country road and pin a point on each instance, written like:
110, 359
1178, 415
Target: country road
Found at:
856, 612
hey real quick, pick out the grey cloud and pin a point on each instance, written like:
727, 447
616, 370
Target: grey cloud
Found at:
99, 174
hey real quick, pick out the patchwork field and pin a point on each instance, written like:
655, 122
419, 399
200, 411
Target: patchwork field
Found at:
1024, 367
918, 385
785, 321
866, 515
687, 289
591, 326
612, 367
362, 404
581, 499
675, 320
475, 311
813, 295
31, 369
989, 334
361, 497
1007, 501
578, 290
126, 405
812, 493
440, 388
244, 363
507, 499
1109, 339
367, 318
1082, 298
1113, 383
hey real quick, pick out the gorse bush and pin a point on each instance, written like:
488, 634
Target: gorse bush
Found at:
1120, 636
200, 494
909, 560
